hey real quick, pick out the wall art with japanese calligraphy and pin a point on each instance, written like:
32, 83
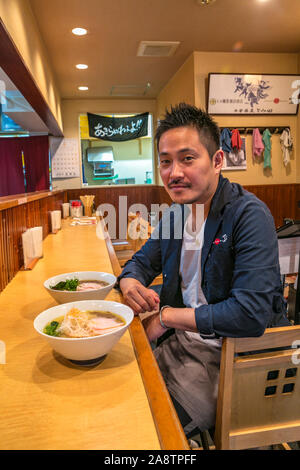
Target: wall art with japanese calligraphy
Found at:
253, 94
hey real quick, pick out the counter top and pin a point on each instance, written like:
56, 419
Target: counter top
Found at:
48, 403
15, 200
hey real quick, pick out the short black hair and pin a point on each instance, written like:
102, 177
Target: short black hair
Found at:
186, 115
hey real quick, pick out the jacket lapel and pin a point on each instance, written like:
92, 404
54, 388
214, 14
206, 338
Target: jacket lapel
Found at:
222, 196
211, 228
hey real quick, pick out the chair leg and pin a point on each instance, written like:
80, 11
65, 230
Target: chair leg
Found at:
204, 440
282, 446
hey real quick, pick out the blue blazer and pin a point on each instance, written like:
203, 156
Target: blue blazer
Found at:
239, 265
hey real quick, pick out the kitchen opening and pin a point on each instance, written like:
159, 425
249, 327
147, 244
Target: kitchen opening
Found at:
116, 149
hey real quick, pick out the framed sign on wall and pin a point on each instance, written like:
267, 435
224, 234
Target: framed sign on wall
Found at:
248, 94
236, 160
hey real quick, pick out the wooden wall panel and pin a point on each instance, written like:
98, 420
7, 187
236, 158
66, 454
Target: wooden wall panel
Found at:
135, 195
282, 201
16, 220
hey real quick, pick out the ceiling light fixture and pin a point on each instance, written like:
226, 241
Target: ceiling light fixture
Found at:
83, 88
205, 2
82, 66
79, 31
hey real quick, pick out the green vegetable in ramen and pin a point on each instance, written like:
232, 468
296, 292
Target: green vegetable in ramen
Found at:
76, 285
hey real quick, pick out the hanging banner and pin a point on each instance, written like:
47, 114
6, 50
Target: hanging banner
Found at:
118, 129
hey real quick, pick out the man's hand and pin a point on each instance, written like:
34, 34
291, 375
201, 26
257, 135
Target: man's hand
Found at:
138, 297
153, 327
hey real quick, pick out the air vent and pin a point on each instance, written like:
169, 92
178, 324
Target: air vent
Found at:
129, 90
157, 48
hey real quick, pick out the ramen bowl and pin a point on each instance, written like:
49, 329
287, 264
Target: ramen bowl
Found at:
90, 350
62, 296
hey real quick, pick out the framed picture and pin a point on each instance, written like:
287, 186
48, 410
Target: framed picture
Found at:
237, 94
235, 160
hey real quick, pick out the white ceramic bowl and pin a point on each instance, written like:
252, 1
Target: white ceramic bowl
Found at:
70, 296
84, 351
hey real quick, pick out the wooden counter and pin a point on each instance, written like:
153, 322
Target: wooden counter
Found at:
7, 202
47, 403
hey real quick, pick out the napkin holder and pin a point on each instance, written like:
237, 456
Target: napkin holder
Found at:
55, 221
66, 210
32, 242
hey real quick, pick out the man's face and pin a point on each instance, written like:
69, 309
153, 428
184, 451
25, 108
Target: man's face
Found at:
188, 173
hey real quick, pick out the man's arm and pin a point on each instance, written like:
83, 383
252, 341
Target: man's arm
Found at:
138, 273
249, 306
179, 318
256, 278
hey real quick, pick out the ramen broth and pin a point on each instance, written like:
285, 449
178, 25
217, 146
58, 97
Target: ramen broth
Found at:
84, 324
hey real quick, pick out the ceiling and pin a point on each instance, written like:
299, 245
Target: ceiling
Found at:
115, 29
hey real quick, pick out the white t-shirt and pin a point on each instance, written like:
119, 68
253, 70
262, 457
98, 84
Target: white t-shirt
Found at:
190, 272
190, 266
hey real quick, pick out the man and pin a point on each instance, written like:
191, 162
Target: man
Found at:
220, 277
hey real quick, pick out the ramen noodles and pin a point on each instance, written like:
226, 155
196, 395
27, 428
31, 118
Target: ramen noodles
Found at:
84, 324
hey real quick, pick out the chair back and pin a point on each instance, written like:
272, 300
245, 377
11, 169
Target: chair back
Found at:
139, 230
259, 390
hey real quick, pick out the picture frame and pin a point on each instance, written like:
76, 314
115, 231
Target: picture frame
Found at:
253, 94
236, 160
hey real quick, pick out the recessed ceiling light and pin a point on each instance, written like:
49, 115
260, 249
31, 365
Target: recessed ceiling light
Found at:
83, 88
79, 31
81, 66
205, 2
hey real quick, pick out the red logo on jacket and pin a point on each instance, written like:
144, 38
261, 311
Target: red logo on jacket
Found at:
222, 240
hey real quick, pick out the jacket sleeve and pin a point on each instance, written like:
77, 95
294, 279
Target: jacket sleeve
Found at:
145, 265
254, 294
